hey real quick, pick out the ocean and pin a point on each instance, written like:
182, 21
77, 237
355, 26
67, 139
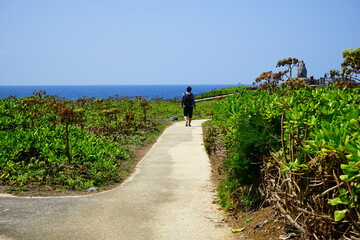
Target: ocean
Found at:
74, 92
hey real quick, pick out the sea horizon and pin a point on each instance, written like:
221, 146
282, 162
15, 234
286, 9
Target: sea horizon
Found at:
5, 85
73, 92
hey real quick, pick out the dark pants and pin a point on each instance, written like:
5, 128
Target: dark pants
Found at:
188, 112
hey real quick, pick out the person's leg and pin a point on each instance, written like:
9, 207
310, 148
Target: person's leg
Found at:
186, 120
190, 116
186, 116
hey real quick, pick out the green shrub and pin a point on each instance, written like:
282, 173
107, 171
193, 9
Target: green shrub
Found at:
305, 143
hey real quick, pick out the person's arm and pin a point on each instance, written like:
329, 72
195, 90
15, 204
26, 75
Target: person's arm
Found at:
193, 99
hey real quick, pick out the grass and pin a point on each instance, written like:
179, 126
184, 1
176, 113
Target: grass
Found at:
220, 92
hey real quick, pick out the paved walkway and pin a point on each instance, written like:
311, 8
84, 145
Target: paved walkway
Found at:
169, 197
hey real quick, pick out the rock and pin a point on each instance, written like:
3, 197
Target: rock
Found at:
92, 189
173, 119
301, 70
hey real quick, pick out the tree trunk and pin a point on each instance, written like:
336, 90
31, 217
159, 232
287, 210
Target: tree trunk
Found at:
67, 147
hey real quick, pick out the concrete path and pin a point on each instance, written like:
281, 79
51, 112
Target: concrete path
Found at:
169, 197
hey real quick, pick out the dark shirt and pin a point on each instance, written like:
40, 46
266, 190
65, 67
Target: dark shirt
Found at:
192, 99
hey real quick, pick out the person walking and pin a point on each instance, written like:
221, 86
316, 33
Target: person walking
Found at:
188, 103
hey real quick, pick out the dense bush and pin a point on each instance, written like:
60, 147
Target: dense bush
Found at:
248, 136
35, 135
304, 146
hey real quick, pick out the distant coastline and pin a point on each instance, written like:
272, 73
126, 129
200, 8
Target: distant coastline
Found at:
74, 92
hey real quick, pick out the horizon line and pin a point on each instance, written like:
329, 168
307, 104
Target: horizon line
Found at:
14, 85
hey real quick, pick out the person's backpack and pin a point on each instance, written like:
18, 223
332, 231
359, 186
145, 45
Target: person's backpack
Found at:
187, 100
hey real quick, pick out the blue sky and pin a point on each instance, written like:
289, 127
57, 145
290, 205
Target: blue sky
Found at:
171, 41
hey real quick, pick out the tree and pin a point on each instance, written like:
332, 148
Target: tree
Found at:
145, 105
269, 80
292, 83
351, 63
290, 63
69, 117
350, 68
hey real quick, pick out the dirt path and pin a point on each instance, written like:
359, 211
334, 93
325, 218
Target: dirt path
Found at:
169, 197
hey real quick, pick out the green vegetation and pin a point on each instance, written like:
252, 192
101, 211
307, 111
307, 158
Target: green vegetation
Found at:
350, 68
301, 148
220, 92
296, 148
78, 144
247, 136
